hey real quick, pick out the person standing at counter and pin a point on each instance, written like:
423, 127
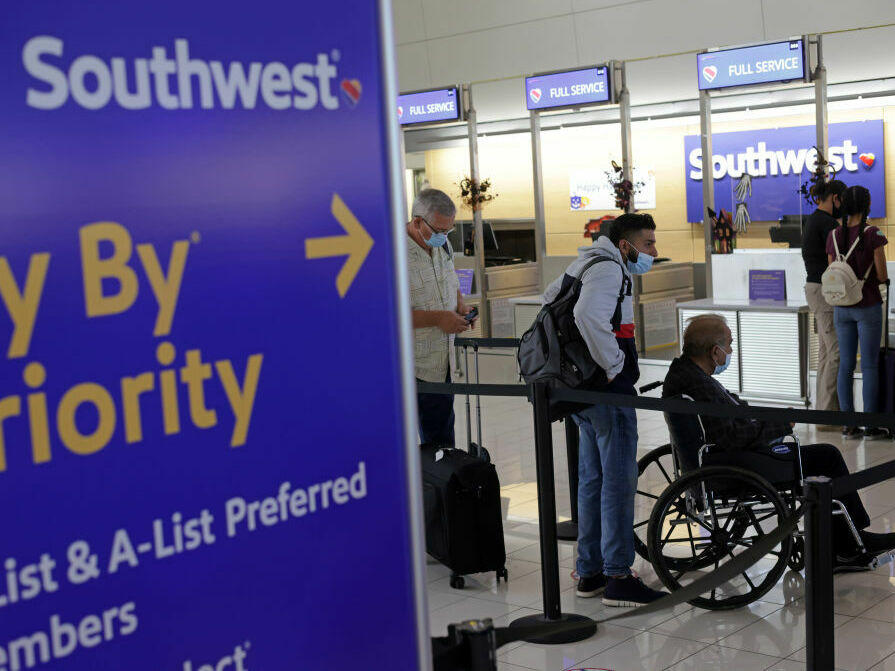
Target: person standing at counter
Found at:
861, 323
828, 196
438, 308
607, 453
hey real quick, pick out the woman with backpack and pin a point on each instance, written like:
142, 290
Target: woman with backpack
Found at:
861, 322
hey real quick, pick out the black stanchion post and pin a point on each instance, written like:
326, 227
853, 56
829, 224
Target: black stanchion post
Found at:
580, 627
819, 574
568, 531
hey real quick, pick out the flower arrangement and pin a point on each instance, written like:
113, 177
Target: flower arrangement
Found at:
623, 189
476, 194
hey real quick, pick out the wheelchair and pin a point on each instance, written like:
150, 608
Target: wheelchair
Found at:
698, 507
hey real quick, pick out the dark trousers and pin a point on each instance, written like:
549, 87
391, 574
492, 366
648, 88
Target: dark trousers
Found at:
436, 415
777, 464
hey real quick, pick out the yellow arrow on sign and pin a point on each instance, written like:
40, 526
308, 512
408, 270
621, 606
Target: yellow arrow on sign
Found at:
355, 245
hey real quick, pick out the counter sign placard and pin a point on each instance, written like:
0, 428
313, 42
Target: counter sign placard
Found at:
746, 66
199, 241
429, 106
572, 88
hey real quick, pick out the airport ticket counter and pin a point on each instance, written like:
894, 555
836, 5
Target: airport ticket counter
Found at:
771, 347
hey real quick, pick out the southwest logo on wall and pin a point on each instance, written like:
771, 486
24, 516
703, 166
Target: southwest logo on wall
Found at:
758, 173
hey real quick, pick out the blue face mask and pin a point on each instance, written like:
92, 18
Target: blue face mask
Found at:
437, 240
640, 265
723, 367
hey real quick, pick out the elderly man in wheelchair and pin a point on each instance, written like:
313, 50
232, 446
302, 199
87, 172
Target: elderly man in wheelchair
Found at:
728, 481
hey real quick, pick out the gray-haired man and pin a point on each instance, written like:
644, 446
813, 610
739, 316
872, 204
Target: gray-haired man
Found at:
438, 308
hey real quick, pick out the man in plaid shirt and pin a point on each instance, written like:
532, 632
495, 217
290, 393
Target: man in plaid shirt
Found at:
755, 444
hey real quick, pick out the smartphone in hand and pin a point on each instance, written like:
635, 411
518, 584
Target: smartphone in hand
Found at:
472, 314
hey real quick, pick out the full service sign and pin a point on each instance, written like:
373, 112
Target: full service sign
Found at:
761, 64
765, 168
182, 479
564, 89
428, 106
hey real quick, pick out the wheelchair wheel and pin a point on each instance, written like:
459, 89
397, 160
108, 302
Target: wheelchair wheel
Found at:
797, 559
708, 517
655, 471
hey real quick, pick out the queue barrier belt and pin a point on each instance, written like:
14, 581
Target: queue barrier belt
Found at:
841, 485
487, 342
869, 476
679, 406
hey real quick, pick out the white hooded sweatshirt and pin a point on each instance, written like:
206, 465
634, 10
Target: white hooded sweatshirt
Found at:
597, 302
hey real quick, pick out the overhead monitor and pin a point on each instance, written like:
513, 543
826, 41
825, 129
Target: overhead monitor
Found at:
434, 106
748, 66
570, 88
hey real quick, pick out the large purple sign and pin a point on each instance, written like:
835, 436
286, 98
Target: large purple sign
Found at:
429, 106
758, 173
184, 189
747, 66
566, 89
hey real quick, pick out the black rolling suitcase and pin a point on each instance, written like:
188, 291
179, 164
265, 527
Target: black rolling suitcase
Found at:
887, 366
461, 498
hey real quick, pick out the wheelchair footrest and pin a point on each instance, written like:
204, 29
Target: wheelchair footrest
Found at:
883, 559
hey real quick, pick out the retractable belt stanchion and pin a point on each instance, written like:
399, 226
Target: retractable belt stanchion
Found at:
547, 525
819, 574
568, 531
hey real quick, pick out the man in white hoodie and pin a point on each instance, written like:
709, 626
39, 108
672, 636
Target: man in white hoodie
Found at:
607, 456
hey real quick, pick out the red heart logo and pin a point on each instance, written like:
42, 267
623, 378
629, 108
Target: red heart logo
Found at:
400, 111
352, 89
867, 159
535, 94
710, 72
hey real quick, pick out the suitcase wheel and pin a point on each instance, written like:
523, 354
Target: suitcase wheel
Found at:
457, 582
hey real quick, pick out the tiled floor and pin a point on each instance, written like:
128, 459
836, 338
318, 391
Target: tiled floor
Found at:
768, 634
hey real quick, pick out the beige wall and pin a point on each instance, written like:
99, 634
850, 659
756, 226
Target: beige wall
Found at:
507, 161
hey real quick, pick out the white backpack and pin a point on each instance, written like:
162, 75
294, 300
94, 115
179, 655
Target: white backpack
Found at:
839, 284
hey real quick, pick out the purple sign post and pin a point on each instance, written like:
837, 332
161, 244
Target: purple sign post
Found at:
571, 88
767, 285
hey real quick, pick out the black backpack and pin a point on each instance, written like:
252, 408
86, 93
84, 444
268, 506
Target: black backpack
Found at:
553, 350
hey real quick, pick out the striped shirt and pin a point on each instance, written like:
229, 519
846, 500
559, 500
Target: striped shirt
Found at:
433, 286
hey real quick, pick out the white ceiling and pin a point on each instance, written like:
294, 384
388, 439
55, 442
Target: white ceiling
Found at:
443, 42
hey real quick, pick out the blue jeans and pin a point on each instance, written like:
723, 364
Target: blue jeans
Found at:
607, 482
854, 325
